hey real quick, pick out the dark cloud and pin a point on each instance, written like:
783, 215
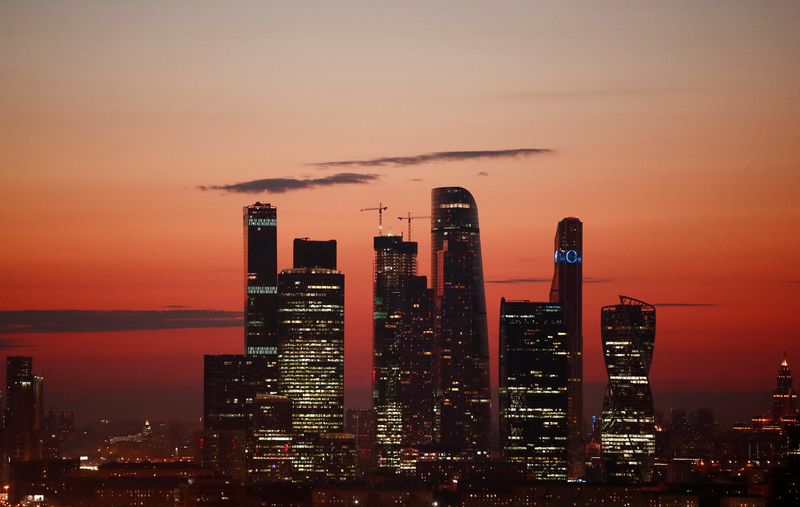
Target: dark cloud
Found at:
89, 321
281, 185
686, 305
8, 345
483, 173
439, 156
518, 280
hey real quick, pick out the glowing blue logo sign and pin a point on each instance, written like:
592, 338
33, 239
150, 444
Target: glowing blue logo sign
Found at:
568, 256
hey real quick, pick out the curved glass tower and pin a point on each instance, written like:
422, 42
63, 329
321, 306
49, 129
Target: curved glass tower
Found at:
628, 440
462, 342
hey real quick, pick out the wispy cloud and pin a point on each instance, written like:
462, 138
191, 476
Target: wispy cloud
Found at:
543, 280
483, 173
89, 321
686, 305
438, 156
593, 279
596, 93
792, 281
282, 185
518, 280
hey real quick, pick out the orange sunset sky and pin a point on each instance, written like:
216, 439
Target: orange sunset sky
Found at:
675, 137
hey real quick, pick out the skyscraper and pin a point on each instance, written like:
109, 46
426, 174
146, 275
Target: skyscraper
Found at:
567, 291
784, 398
533, 377
311, 356
461, 338
402, 355
269, 438
235, 422
394, 259
628, 332
24, 411
261, 283
416, 394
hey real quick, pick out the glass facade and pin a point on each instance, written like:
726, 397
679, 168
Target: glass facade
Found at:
311, 357
628, 332
567, 291
533, 373
461, 338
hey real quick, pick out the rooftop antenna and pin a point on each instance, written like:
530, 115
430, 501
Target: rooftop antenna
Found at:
380, 209
409, 218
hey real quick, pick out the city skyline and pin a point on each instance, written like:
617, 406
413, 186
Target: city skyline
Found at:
671, 137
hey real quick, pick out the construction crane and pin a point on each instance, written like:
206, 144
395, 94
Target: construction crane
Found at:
380, 209
409, 218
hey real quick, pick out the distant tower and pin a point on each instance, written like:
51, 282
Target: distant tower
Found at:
311, 353
533, 388
784, 398
24, 410
461, 337
261, 285
567, 291
628, 332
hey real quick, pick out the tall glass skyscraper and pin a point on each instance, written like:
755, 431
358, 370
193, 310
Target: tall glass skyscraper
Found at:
311, 355
567, 291
461, 338
403, 355
628, 332
533, 376
261, 283
395, 259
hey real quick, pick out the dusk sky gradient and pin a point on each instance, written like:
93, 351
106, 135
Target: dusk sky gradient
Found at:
673, 131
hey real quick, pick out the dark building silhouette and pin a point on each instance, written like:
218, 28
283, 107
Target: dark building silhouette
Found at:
361, 423
567, 291
24, 414
261, 284
58, 431
235, 398
461, 338
416, 393
310, 253
628, 332
311, 358
533, 373
402, 355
